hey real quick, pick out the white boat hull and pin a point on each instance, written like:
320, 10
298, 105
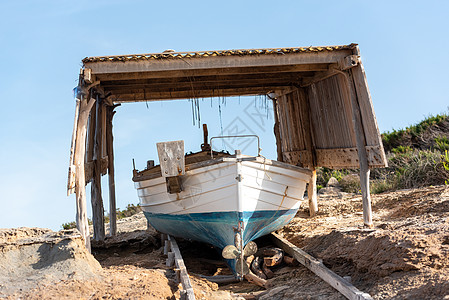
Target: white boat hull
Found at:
261, 195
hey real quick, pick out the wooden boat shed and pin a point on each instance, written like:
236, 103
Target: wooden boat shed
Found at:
324, 115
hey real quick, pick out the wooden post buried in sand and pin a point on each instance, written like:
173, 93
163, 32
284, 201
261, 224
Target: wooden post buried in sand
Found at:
82, 225
361, 151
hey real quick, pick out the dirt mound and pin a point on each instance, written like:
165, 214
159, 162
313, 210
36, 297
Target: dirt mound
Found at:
405, 256
31, 255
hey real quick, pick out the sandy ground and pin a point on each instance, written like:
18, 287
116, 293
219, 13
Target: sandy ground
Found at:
406, 255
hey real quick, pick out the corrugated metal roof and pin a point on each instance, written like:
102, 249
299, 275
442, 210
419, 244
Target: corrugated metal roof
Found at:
239, 52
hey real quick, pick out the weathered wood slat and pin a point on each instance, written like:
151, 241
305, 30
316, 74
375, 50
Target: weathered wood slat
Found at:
373, 137
277, 131
80, 182
317, 78
90, 141
218, 62
96, 197
148, 95
317, 267
194, 81
208, 72
171, 158
337, 158
89, 168
111, 176
71, 175
184, 276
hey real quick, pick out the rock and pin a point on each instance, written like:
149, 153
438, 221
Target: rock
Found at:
330, 192
332, 189
350, 183
32, 256
333, 182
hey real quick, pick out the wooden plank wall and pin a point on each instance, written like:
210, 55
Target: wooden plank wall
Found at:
331, 114
316, 126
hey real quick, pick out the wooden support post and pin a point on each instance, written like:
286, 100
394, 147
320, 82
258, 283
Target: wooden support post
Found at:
277, 131
96, 199
311, 192
361, 151
110, 152
80, 181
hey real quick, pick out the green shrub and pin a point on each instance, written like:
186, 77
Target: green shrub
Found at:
442, 143
415, 168
445, 159
324, 174
401, 149
130, 210
416, 135
69, 225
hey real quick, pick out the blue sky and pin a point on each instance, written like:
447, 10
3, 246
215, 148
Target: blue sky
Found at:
404, 47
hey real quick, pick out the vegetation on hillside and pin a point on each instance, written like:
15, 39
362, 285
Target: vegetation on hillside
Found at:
417, 156
130, 210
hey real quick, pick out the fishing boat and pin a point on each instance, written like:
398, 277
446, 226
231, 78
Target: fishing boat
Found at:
218, 198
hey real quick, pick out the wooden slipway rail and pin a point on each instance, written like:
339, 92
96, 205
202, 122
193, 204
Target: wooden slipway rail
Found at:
317, 267
171, 249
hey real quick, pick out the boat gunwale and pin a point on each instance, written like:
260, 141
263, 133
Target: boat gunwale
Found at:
232, 158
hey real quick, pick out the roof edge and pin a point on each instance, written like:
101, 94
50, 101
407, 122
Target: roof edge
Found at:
234, 52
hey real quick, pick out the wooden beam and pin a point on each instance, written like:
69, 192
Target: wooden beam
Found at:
216, 79
156, 96
317, 267
209, 72
96, 198
318, 77
367, 110
193, 87
217, 62
337, 158
110, 153
72, 168
184, 276
80, 183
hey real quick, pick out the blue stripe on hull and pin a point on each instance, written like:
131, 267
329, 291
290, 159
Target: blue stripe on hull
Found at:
217, 228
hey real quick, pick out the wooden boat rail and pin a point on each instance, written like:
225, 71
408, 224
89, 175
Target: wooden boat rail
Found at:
171, 249
174, 257
317, 267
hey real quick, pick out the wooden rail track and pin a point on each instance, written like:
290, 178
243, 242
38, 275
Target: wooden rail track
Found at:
171, 249
174, 257
317, 267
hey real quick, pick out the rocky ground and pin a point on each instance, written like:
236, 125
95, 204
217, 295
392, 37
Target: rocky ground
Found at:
405, 256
